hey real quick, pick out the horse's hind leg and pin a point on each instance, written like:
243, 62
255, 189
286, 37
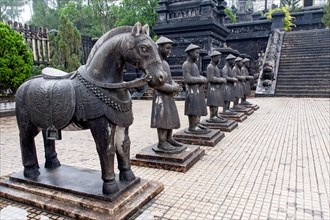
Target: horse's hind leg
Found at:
27, 132
50, 153
123, 144
103, 135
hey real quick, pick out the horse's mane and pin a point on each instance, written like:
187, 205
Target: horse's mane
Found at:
107, 36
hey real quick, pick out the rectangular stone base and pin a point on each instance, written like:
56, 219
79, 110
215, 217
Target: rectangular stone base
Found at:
210, 139
79, 198
247, 110
180, 162
228, 126
239, 117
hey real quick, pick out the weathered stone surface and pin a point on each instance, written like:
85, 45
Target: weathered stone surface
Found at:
247, 110
227, 126
180, 162
210, 139
77, 193
239, 117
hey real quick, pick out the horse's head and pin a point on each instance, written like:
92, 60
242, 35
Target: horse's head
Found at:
143, 54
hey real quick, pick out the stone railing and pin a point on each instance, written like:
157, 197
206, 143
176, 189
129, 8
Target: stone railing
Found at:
268, 75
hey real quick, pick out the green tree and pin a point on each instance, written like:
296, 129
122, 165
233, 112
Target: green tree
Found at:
65, 47
326, 15
287, 19
15, 59
11, 9
130, 11
231, 15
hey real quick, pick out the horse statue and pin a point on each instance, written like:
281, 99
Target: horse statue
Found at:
93, 97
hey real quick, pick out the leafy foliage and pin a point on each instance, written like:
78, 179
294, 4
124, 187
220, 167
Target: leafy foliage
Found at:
326, 15
287, 19
131, 11
65, 46
231, 15
15, 59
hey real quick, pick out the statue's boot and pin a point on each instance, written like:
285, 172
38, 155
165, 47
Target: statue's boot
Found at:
229, 112
238, 106
171, 141
222, 119
216, 120
246, 103
174, 142
165, 146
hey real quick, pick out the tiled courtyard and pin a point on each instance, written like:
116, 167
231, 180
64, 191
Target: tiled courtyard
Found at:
275, 165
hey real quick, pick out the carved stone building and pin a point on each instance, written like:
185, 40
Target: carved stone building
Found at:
190, 21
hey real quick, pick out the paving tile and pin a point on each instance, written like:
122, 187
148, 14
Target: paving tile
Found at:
275, 165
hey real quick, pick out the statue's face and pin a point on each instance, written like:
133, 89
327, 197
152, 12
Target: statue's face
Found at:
239, 64
216, 60
247, 64
194, 54
165, 50
231, 62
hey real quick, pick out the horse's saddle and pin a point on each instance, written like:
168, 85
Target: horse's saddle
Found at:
52, 73
51, 101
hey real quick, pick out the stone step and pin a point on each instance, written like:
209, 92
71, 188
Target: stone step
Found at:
303, 87
310, 58
316, 63
302, 94
302, 50
283, 75
303, 82
304, 71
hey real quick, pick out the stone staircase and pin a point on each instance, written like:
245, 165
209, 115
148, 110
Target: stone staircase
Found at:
304, 68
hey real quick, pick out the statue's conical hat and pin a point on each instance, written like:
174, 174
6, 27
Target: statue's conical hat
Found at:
192, 47
238, 59
215, 53
230, 57
164, 40
246, 60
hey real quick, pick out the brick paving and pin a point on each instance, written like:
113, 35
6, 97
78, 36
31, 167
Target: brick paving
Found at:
275, 165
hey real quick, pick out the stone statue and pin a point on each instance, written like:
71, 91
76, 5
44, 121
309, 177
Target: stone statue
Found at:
248, 80
164, 114
239, 85
216, 88
195, 105
93, 97
227, 74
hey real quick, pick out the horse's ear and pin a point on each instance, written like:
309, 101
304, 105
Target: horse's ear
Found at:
146, 29
137, 29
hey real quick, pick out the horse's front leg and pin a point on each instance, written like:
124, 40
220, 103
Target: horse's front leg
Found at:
103, 134
50, 153
123, 144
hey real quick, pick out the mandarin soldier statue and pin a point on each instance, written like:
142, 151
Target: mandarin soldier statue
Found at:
164, 115
195, 105
239, 85
216, 88
247, 84
227, 74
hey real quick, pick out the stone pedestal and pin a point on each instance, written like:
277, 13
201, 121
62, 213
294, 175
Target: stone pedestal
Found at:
246, 110
255, 107
210, 139
239, 117
228, 126
77, 193
180, 162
